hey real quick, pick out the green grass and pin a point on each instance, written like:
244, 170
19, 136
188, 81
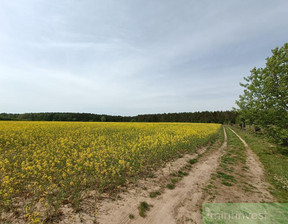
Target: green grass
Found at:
143, 208
151, 175
154, 194
226, 177
234, 155
275, 161
175, 180
192, 161
170, 186
181, 173
228, 159
226, 183
131, 216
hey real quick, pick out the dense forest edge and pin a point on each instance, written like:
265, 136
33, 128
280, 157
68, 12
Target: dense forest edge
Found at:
221, 117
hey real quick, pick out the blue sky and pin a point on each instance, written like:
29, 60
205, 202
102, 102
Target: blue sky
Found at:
133, 57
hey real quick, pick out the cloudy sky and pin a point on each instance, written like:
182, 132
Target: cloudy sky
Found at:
131, 57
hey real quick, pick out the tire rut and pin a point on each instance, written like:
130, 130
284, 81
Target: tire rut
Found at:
256, 173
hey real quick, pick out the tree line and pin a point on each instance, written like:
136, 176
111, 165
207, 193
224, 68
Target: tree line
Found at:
64, 117
222, 117
264, 102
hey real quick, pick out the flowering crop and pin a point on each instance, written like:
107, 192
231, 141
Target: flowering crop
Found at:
39, 160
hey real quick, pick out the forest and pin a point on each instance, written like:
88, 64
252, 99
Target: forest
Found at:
221, 117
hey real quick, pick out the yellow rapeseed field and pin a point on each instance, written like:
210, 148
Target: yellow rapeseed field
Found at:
47, 160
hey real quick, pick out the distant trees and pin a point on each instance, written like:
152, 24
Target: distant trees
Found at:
222, 117
8, 117
265, 99
196, 117
63, 117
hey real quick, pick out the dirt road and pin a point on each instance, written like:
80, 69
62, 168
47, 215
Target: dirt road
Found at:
203, 184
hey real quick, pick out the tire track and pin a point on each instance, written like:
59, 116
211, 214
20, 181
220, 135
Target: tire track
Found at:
256, 173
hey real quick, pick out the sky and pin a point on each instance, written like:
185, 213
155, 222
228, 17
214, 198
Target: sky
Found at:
129, 57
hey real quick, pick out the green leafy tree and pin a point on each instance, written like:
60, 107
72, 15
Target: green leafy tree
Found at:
265, 99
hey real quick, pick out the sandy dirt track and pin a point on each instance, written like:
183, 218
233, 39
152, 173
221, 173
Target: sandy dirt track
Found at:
184, 203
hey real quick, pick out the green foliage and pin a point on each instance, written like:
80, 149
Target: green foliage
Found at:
143, 207
174, 180
170, 186
265, 99
222, 117
63, 117
154, 194
192, 161
131, 216
226, 177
